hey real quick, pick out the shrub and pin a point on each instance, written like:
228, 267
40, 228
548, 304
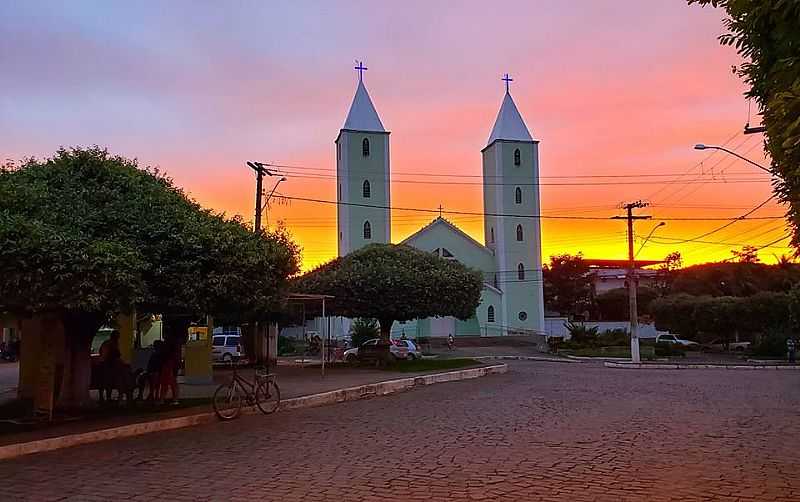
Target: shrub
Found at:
771, 345
613, 338
579, 333
285, 346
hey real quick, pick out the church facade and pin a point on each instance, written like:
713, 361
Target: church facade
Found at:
510, 257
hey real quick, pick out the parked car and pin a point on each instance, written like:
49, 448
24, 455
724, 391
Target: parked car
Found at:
717, 345
414, 352
675, 340
227, 348
398, 350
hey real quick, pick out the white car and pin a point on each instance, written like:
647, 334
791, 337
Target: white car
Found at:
414, 351
397, 350
675, 340
227, 348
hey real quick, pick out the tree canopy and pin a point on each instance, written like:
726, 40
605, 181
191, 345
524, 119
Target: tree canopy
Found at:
567, 284
735, 279
767, 37
393, 282
88, 231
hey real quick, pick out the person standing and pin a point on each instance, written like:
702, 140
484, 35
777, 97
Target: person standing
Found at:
791, 349
168, 376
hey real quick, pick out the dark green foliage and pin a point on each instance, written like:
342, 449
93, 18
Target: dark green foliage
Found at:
363, 329
392, 282
613, 305
735, 279
581, 334
707, 318
589, 338
773, 344
567, 285
766, 36
286, 346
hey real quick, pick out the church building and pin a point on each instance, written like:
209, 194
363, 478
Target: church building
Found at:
510, 256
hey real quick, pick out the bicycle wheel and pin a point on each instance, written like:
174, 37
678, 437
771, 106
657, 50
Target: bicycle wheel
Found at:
227, 401
268, 396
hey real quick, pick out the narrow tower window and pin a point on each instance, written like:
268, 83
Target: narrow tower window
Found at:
365, 147
366, 189
517, 157
491, 235
519, 233
518, 195
521, 272
490, 314
367, 230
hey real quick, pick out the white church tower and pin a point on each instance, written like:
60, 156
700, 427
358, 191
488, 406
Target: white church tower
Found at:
362, 175
510, 187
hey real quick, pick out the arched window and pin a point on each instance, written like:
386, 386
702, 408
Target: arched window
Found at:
491, 235
490, 314
521, 272
518, 195
517, 157
366, 189
365, 147
519, 233
367, 230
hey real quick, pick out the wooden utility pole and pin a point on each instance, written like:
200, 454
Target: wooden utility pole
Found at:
633, 281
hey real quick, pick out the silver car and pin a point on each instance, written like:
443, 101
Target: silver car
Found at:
414, 351
227, 348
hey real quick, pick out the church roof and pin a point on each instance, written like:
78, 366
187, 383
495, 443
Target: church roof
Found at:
442, 221
362, 115
509, 124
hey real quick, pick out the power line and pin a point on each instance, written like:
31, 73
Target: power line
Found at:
502, 215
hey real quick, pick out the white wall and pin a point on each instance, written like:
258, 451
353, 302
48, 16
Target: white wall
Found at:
555, 327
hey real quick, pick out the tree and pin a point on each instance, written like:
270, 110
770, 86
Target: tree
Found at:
85, 235
567, 284
614, 304
767, 37
391, 282
748, 254
668, 270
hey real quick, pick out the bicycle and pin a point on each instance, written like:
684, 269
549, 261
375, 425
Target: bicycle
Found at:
262, 392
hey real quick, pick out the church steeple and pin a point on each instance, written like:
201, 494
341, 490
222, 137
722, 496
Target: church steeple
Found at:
509, 125
362, 115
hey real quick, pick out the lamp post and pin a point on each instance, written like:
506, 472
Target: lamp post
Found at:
661, 224
269, 196
701, 146
261, 169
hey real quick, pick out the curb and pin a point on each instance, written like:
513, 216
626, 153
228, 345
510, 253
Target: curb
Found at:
324, 398
528, 358
645, 366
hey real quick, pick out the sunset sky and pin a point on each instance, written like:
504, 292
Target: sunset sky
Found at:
621, 89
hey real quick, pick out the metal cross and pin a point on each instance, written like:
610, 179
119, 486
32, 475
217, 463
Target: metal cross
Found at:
440, 210
361, 68
507, 80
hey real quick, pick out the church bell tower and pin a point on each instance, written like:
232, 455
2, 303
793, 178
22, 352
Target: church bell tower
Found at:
513, 232
362, 175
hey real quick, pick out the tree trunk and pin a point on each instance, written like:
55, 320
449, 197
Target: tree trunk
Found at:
382, 349
386, 329
79, 330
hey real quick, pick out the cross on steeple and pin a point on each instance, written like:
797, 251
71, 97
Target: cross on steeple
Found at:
361, 68
507, 80
440, 210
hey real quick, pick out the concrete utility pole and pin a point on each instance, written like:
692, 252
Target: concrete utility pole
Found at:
633, 281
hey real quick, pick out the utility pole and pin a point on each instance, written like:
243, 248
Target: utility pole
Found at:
633, 281
261, 169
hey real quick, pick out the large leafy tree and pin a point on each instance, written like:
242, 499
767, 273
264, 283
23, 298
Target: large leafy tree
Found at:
766, 35
391, 283
85, 235
567, 284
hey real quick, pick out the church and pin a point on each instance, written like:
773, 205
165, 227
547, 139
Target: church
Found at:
511, 256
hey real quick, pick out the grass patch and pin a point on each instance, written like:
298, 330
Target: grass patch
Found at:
623, 352
430, 365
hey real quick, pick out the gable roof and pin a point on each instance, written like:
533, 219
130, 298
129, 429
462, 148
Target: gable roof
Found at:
362, 115
509, 124
442, 221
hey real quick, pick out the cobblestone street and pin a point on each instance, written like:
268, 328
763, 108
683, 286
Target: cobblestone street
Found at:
543, 431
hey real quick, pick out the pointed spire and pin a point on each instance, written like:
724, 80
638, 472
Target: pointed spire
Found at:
362, 115
509, 124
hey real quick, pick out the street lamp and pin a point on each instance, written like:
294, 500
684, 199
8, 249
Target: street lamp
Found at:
269, 196
701, 146
663, 223
261, 169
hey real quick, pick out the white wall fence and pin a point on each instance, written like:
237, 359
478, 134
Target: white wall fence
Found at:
555, 326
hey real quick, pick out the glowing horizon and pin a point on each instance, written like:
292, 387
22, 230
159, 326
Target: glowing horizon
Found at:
608, 90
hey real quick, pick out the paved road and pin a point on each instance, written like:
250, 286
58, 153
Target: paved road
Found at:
544, 431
